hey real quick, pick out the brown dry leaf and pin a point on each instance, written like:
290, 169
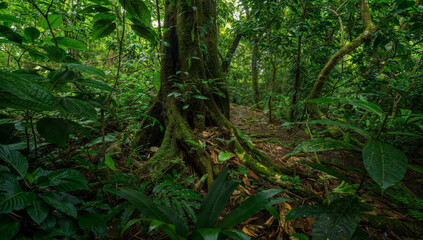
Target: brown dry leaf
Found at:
252, 174
213, 156
245, 190
206, 134
246, 180
249, 232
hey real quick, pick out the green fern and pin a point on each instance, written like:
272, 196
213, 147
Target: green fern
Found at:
182, 199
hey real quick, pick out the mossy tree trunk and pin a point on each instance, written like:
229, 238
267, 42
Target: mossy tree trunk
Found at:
192, 96
369, 29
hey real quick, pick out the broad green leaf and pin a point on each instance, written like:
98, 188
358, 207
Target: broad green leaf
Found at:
55, 21
223, 156
110, 163
10, 34
322, 144
104, 16
96, 9
67, 180
144, 32
8, 100
138, 9
216, 199
328, 170
38, 211
32, 33
58, 202
250, 207
304, 211
36, 55
14, 197
169, 229
80, 108
87, 69
16, 160
54, 130
147, 206
94, 84
209, 233
70, 43
8, 227
102, 28
9, 18
54, 53
93, 222
26, 90
368, 106
384, 163
336, 221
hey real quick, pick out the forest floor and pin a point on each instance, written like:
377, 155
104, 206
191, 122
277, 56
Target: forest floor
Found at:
276, 141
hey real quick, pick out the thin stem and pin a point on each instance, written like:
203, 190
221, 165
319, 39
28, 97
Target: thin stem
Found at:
45, 15
325, 180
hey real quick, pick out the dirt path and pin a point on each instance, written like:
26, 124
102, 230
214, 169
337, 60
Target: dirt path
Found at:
276, 141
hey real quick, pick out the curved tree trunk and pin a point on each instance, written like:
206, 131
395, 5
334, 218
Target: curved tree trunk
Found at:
369, 29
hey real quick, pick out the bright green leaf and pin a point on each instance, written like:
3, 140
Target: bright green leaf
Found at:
70, 43
223, 156
110, 163
55, 21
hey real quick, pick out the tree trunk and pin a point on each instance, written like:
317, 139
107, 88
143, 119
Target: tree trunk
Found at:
190, 98
297, 80
226, 63
254, 72
369, 29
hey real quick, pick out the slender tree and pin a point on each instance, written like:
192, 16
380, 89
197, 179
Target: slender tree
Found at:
369, 29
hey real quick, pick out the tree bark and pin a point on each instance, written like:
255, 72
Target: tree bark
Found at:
254, 72
226, 63
297, 80
369, 29
187, 72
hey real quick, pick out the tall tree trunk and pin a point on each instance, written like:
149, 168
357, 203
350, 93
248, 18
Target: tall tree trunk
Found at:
369, 29
272, 89
191, 98
226, 63
254, 72
297, 80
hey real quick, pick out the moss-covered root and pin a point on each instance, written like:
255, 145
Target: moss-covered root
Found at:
179, 140
266, 167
